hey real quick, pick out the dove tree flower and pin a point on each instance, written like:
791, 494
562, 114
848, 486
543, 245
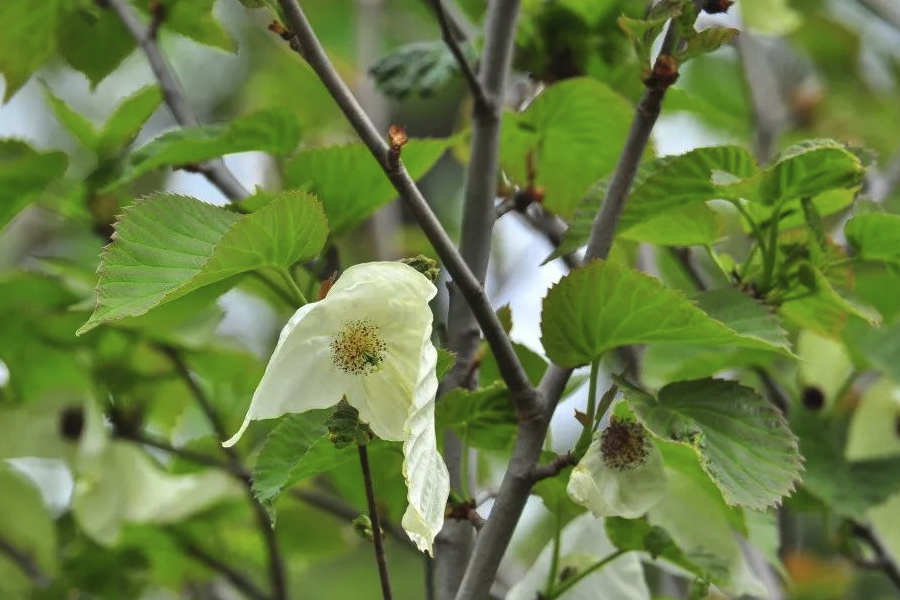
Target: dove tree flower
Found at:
369, 341
621, 474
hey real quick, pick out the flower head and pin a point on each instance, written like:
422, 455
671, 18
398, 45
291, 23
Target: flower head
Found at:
621, 474
369, 341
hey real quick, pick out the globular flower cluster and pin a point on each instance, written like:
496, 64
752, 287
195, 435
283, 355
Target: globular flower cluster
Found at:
624, 444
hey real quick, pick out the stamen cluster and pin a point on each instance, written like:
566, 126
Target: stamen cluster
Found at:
624, 444
358, 349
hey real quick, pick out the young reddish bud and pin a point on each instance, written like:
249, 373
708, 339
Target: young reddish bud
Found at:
326, 285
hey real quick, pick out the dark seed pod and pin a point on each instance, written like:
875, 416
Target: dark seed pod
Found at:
71, 423
813, 398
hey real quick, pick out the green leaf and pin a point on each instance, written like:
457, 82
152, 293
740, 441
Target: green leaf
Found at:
420, 69
195, 20
602, 306
166, 246
128, 119
677, 181
744, 443
691, 225
704, 42
666, 204
848, 487
807, 169
274, 130
27, 528
350, 182
296, 449
445, 362
826, 299
744, 315
94, 41
483, 418
874, 236
639, 535
81, 128
24, 173
877, 348
572, 133
27, 39
774, 17
643, 32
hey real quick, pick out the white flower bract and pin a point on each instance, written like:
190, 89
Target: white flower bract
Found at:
369, 341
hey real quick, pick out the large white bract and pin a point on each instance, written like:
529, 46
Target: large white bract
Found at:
369, 341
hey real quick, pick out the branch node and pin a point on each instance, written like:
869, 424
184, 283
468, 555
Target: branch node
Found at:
396, 140
553, 468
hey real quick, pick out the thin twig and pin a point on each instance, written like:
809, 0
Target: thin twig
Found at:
190, 455
377, 535
215, 170
481, 100
554, 467
767, 106
683, 256
238, 579
337, 507
277, 577
884, 560
469, 285
25, 562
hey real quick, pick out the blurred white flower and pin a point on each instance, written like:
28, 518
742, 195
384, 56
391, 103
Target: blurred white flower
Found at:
369, 341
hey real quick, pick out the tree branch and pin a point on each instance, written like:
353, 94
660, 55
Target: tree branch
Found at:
463, 335
469, 285
884, 561
277, 577
450, 38
493, 540
25, 562
215, 170
377, 535
238, 579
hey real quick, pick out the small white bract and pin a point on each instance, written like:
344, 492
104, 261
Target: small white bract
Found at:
369, 341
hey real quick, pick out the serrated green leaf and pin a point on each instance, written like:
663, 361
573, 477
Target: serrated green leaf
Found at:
827, 299
94, 41
572, 133
350, 182
602, 306
849, 488
483, 418
743, 314
744, 443
128, 118
24, 173
704, 42
166, 246
677, 181
273, 130
81, 128
420, 69
297, 449
808, 169
27, 39
875, 236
